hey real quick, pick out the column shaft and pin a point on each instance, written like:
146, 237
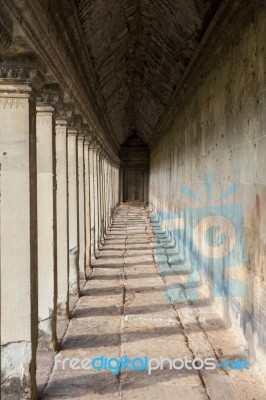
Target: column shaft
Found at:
47, 273
62, 218
87, 203
81, 187
73, 212
92, 200
19, 299
96, 203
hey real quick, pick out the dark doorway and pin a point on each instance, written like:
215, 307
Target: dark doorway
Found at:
134, 185
134, 170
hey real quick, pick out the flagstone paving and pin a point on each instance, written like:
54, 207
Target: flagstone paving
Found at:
123, 312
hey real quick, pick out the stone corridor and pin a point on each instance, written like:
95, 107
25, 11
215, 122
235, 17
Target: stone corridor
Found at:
133, 199
122, 312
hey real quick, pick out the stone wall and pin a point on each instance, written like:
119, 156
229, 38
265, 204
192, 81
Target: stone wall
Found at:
217, 132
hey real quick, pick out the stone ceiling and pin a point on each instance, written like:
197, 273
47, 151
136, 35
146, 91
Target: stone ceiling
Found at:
139, 51
120, 61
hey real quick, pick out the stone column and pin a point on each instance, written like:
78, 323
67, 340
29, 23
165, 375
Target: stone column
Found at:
81, 196
87, 203
108, 194
92, 196
104, 195
107, 190
62, 211
19, 298
101, 195
88, 165
111, 188
73, 211
117, 185
47, 272
96, 200
121, 186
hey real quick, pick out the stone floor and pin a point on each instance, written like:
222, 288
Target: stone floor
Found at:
123, 312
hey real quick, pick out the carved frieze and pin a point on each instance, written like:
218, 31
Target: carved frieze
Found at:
13, 102
25, 68
43, 120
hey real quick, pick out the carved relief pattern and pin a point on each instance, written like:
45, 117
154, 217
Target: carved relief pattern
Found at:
13, 102
43, 120
60, 130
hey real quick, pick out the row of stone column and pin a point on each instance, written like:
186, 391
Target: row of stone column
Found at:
58, 190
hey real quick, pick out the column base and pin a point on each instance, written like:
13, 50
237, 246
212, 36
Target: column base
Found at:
89, 271
96, 249
15, 372
46, 334
82, 275
63, 310
73, 272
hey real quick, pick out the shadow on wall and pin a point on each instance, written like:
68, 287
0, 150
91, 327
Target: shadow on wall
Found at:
206, 248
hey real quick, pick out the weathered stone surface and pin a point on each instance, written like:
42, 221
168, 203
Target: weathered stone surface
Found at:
19, 299
217, 132
190, 80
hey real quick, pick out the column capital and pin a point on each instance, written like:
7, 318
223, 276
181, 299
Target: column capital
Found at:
84, 130
61, 122
102, 152
90, 140
44, 108
50, 94
98, 146
72, 132
65, 113
81, 137
76, 122
21, 73
75, 125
